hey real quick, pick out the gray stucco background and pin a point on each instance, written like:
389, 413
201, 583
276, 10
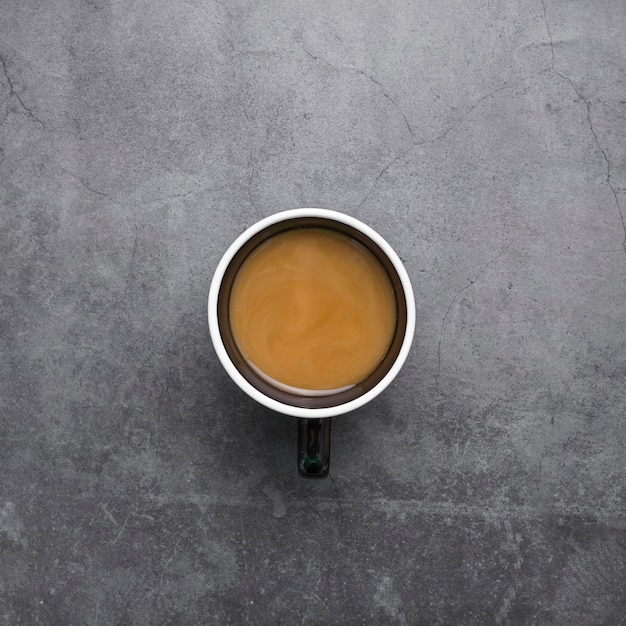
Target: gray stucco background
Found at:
484, 139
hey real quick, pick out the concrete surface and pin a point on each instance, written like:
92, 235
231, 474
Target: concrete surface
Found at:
486, 140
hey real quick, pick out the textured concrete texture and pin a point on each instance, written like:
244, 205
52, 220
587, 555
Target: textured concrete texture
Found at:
486, 141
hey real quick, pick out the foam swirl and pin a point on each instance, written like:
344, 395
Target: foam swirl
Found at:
312, 310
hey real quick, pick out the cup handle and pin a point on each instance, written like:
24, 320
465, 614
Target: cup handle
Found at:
314, 446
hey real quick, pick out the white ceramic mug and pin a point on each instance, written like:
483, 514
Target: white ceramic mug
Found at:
314, 412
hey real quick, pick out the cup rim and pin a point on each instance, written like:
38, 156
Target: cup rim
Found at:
220, 348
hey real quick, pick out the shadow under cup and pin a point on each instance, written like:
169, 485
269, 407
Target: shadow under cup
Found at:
314, 411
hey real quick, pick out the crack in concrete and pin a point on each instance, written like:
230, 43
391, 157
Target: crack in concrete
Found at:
454, 125
386, 95
382, 89
91, 189
471, 108
369, 77
174, 195
453, 302
12, 92
414, 142
121, 532
382, 172
111, 199
547, 23
585, 101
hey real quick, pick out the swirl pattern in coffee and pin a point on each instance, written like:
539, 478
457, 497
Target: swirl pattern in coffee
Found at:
312, 311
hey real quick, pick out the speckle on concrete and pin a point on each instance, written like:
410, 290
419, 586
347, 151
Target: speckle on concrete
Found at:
485, 140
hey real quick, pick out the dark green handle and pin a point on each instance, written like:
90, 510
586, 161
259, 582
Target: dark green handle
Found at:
314, 446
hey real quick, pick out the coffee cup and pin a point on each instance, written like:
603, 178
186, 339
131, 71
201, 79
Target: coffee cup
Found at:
312, 314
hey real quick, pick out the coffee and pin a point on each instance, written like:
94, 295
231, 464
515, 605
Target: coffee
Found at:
312, 311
